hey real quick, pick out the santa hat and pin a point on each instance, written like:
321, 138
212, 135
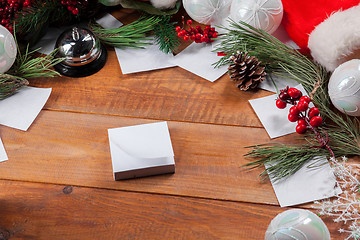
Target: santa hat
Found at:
330, 29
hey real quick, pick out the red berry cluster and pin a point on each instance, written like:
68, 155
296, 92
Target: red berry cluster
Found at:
300, 112
8, 9
196, 34
74, 5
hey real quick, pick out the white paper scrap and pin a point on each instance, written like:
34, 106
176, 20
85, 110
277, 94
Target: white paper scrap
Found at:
198, 59
3, 156
139, 60
274, 120
20, 110
281, 83
140, 146
314, 181
109, 22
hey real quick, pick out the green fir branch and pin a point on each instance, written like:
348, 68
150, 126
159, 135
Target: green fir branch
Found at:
9, 84
131, 35
27, 67
165, 36
282, 60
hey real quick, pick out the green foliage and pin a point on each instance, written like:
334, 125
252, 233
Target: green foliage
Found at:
9, 84
165, 36
131, 35
282, 60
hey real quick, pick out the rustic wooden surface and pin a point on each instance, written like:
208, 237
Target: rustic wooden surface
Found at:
58, 182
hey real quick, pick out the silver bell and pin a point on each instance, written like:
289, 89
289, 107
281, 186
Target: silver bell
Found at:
84, 54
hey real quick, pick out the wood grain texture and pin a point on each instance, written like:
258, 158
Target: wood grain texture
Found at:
45, 211
73, 149
168, 94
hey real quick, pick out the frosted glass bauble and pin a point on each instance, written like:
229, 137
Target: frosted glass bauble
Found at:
207, 11
344, 87
297, 224
8, 49
260, 14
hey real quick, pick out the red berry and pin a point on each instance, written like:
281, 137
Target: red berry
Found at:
198, 28
198, 36
316, 121
293, 92
215, 35
178, 28
191, 29
183, 32
189, 22
179, 34
75, 11
305, 99
186, 38
192, 37
294, 110
203, 39
293, 118
302, 106
284, 96
280, 104
301, 128
301, 121
313, 112
207, 28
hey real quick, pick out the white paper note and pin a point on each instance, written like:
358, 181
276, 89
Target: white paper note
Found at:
108, 21
314, 181
198, 59
20, 110
281, 83
3, 156
274, 120
140, 146
139, 60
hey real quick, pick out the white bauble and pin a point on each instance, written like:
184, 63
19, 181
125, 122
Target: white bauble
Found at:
297, 224
163, 4
8, 49
207, 11
344, 87
260, 14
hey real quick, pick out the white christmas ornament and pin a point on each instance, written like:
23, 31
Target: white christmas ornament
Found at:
8, 49
207, 11
260, 14
344, 87
163, 4
297, 224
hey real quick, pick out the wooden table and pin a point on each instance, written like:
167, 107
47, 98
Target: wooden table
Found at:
58, 182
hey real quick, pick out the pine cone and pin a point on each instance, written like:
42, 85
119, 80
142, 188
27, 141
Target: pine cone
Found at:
246, 71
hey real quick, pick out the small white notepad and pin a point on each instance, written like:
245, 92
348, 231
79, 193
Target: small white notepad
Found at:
3, 156
141, 150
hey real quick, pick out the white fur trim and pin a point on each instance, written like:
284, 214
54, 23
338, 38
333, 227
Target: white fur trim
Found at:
335, 38
163, 4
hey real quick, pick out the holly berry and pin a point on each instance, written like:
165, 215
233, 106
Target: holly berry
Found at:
293, 118
186, 38
189, 22
302, 106
294, 110
284, 96
293, 92
305, 99
196, 34
280, 104
301, 121
313, 112
178, 29
316, 121
301, 128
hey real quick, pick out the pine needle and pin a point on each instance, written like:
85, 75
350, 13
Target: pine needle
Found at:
165, 36
282, 60
9, 84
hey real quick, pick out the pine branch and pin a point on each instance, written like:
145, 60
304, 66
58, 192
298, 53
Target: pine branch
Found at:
166, 36
9, 84
279, 59
132, 35
27, 67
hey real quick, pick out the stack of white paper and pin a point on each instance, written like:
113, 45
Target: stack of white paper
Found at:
141, 150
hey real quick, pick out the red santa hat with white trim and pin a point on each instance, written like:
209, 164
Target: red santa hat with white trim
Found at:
330, 29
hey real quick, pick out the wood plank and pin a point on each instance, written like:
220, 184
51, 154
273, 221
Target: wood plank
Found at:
169, 94
44, 211
73, 149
